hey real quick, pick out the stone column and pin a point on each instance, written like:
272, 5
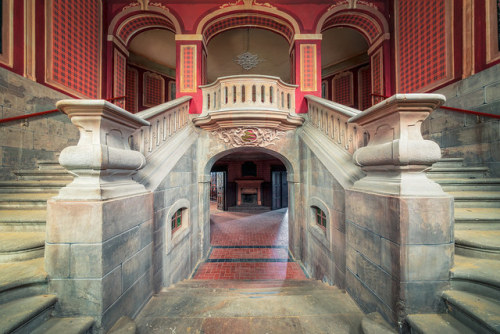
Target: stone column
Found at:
99, 228
399, 223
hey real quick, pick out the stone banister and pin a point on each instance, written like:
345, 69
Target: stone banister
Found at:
164, 121
259, 101
102, 161
333, 120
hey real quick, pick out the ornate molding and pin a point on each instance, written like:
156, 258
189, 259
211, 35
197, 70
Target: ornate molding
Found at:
247, 3
248, 60
249, 136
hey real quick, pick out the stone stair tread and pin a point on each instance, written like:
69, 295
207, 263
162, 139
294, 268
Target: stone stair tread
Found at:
19, 216
489, 239
477, 214
477, 195
26, 197
458, 180
19, 241
457, 169
77, 325
21, 273
479, 270
482, 309
437, 323
33, 183
16, 313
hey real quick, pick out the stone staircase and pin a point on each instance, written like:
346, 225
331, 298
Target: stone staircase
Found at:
25, 305
258, 306
473, 300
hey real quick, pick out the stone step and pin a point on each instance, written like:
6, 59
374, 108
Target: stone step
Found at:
436, 323
480, 313
242, 284
48, 174
461, 184
29, 186
480, 276
374, 323
476, 199
449, 162
22, 279
457, 172
21, 246
49, 165
25, 201
476, 216
483, 244
80, 325
22, 220
25, 314
124, 325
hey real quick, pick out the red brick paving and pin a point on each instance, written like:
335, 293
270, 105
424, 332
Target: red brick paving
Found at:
243, 229
249, 253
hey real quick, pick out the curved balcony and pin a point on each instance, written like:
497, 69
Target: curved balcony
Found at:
248, 101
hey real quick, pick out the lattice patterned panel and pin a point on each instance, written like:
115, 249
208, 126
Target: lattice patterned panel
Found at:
74, 46
308, 67
119, 78
365, 88
244, 21
356, 21
188, 68
377, 79
126, 30
154, 89
131, 90
343, 89
421, 44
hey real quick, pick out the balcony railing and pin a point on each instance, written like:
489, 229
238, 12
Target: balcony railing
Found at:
248, 100
249, 91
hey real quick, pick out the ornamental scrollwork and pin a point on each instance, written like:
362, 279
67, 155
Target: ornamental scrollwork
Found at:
245, 136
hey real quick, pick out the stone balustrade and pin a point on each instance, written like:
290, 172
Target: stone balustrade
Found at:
248, 91
333, 120
164, 120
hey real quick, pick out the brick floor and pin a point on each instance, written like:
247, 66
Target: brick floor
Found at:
249, 247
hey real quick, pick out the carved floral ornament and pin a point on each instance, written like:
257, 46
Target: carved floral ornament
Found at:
248, 136
352, 3
247, 3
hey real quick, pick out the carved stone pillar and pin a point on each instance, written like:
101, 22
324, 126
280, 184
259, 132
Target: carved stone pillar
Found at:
99, 228
399, 223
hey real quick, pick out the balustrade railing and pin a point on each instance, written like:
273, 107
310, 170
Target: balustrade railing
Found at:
248, 91
333, 120
165, 120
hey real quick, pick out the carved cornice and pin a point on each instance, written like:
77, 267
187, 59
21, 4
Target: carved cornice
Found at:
248, 136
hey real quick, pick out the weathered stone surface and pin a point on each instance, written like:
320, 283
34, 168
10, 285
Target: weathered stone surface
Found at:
364, 241
136, 266
58, 263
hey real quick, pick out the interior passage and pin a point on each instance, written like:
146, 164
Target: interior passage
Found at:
249, 247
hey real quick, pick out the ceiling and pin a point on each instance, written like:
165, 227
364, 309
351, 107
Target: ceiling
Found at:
270, 47
341, 44
157, 45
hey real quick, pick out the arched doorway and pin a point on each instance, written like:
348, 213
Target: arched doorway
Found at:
247, 232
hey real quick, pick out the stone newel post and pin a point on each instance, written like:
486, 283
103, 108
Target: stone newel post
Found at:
399, 223
99, 228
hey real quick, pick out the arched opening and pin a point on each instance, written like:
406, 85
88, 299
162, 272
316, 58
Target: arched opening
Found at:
248, 198
346, 71
150, 73
248, 50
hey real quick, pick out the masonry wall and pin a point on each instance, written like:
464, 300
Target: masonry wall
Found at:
176, 254
474, 138
23, 142
323, 251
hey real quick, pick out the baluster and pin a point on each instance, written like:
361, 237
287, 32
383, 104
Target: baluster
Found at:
158, 132
164, 128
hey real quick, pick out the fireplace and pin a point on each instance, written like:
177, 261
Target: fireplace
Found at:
249, 192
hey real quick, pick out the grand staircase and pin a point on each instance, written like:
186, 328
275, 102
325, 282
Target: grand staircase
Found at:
25, 306
473, 300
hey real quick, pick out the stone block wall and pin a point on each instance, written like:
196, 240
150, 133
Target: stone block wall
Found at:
23, 142
323, 251
474, 138
176, 254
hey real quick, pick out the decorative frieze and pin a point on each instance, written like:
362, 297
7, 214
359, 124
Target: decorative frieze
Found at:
244, 136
